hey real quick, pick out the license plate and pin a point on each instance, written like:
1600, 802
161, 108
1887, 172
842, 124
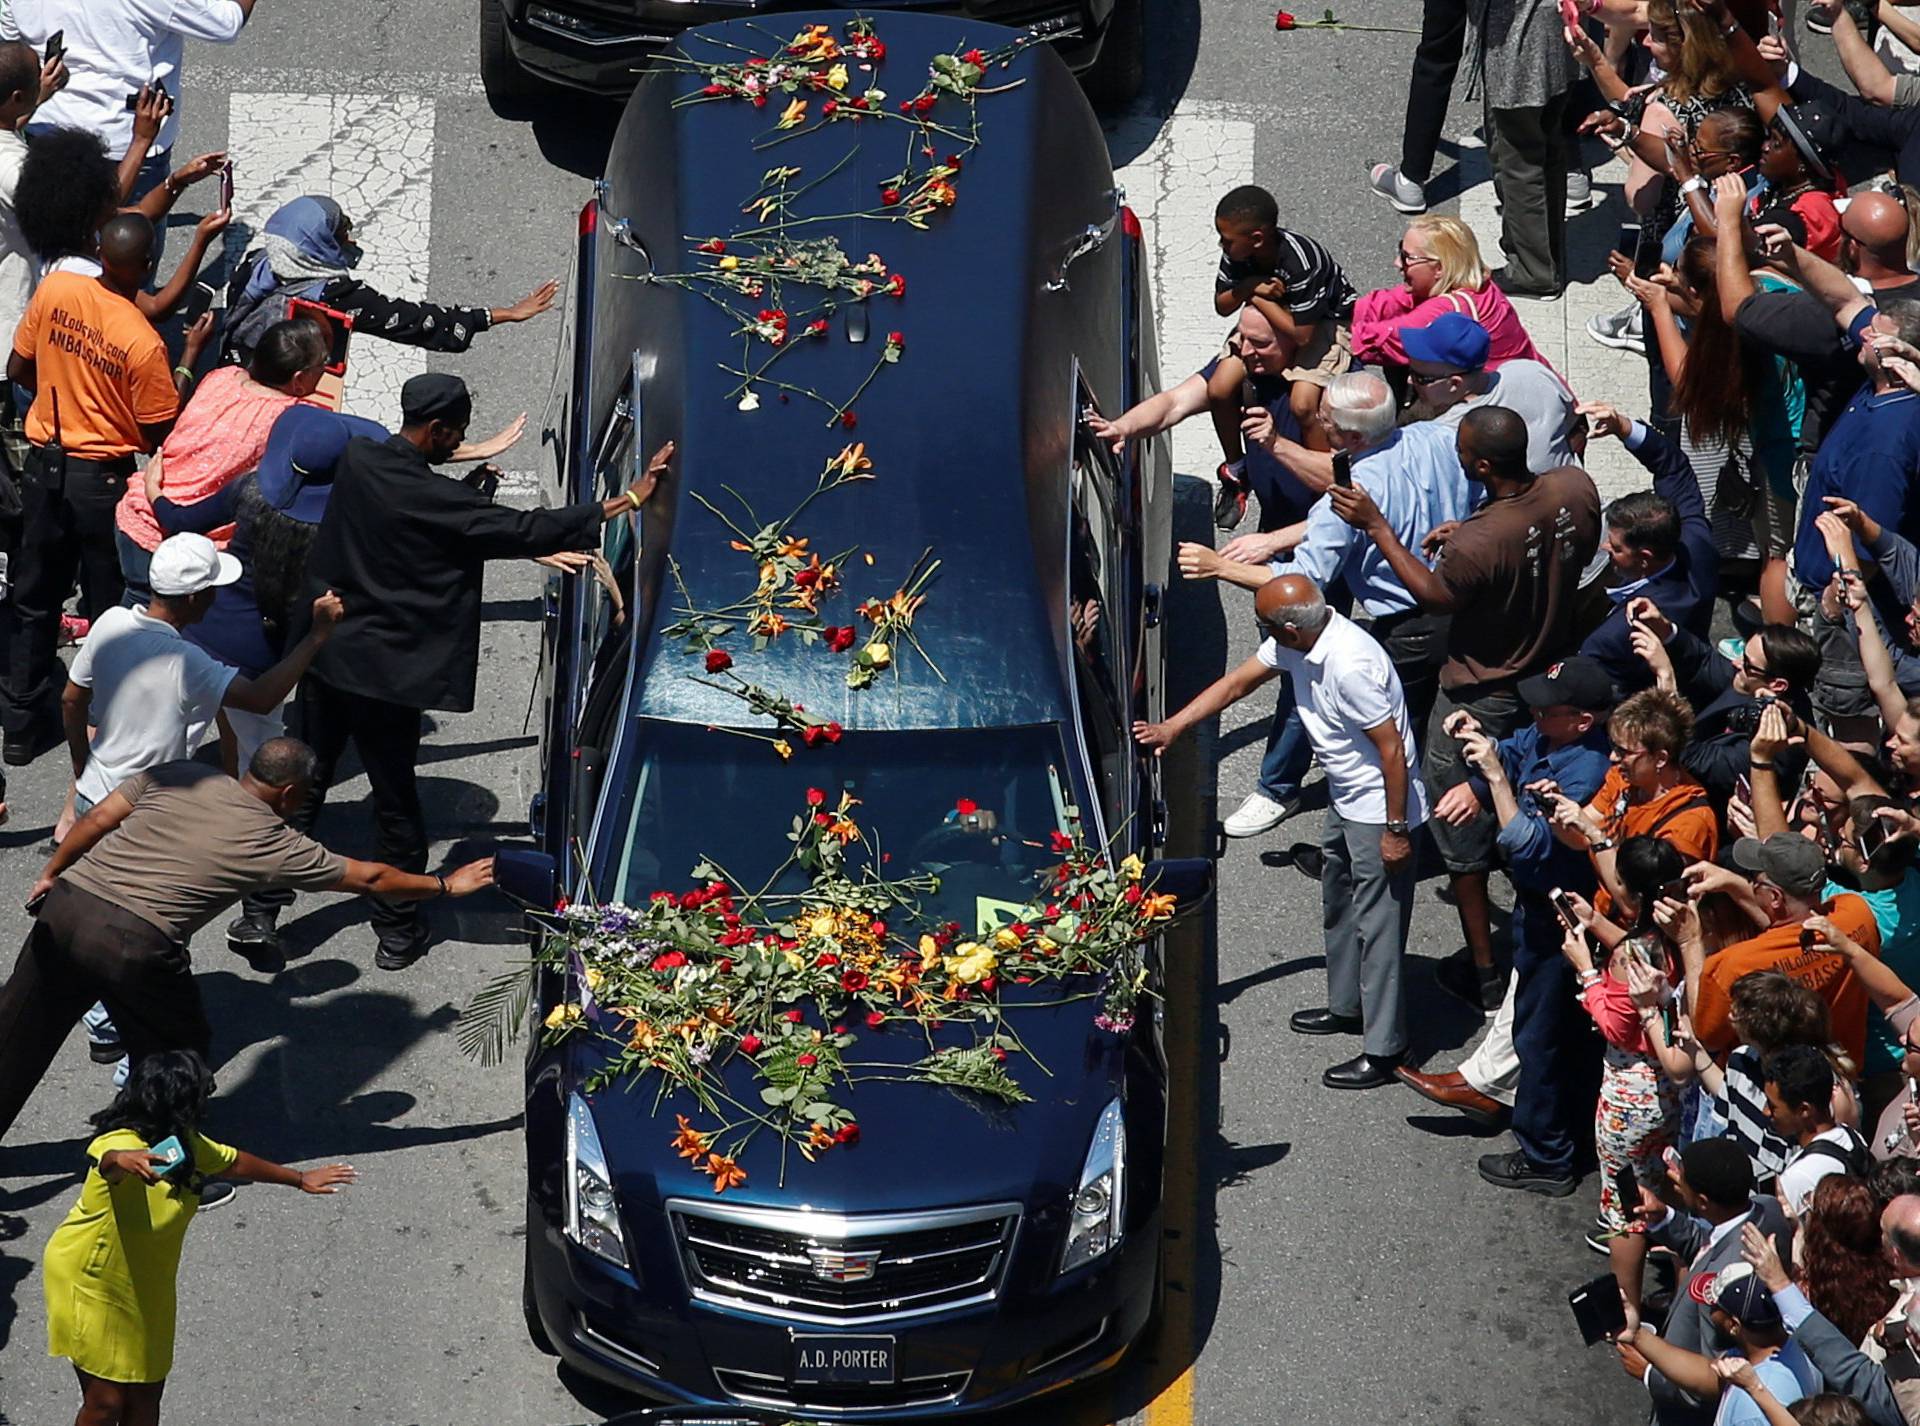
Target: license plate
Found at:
853, 1361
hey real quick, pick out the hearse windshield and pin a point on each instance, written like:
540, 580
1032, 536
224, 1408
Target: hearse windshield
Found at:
975, 807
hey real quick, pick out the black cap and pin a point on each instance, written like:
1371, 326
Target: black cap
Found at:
1578, 682
1814, 133
435, 396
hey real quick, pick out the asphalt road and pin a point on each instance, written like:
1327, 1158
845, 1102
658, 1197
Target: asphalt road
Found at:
1342, 1263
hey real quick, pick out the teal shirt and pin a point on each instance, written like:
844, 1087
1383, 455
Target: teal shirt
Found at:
1896, 911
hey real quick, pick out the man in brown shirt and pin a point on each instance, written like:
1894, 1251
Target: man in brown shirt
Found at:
1509, 577
156, 860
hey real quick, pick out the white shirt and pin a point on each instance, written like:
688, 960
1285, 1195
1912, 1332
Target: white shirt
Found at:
1344, 685
1804, 1170
114, 47
19, 269
1533, 393
154, 696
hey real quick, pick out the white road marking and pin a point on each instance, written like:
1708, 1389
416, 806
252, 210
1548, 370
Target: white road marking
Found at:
1195, 156
408, 83
374, 156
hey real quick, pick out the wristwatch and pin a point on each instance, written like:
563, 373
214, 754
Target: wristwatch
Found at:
1696, 184
1398, 828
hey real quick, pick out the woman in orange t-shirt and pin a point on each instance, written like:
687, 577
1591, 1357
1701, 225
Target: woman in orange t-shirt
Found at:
1647, 793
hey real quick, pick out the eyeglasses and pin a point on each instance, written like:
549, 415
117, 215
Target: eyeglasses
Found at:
1419, 379
1403, 258
1748, 667
1624, 753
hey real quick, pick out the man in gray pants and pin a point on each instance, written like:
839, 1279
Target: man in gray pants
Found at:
1355, 713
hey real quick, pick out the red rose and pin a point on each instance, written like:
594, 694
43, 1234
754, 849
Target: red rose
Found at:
807, 578
817, 326
966, 807
876, 50
671, 960
999, 1054
896, 286
807, 1061
725, 967
718, 660
749, 1044
738, 936
889, 196
713, 89
847, 418
860, 102
847, 1136
875, 1019
975, 57
1133, 894
1284, 21
827, 958
853, 981
923, 104
1061, 841
953, 162
822, 819
876, 928
759, 101
815, 797
831, 732
666, 896
989, 985
906, 106
713, 245
1053, 911
794, 1017
811, 737
839, 639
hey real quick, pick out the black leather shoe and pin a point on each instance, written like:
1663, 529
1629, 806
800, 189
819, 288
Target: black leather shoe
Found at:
20, 749
399, 957
1516, 1170
1324, 1022
1362, 1072
1466, 982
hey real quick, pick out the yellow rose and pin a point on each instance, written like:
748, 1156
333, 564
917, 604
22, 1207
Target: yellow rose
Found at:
929, 953
1006, 939
562, 1016
728, 264
1132, 868
971, 963
593, 978
878, 654
1046, 945
821, 925
837, 77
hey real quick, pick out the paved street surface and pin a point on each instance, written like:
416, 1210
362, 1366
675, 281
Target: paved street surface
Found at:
1336, 1260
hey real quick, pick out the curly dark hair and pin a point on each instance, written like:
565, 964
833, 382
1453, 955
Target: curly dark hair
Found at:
68, 187
278, 546
1843, 1268
165, 1094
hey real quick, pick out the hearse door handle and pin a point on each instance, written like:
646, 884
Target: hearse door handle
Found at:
1092, 238
1151, 597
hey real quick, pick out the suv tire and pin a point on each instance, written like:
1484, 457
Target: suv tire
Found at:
536, 1331
500, 73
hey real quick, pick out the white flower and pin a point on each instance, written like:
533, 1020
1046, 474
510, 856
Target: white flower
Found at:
750, 402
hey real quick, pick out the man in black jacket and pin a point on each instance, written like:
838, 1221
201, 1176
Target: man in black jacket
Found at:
406, 548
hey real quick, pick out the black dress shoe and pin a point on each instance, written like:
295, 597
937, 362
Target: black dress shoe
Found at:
400, 956
1362, 1072
20, 749
1324, 1022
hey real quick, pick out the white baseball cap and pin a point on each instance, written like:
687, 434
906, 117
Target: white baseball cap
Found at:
187, 564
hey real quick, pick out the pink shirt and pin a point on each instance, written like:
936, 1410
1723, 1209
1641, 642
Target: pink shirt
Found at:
220, 437
1379, 318
1610, 1004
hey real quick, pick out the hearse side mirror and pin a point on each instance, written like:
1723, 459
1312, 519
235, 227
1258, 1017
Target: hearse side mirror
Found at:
527, 876
1187, 879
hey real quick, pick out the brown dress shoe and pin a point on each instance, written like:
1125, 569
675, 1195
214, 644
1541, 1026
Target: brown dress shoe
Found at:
1452, 1090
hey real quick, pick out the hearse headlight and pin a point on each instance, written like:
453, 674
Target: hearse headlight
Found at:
593, 1218
1098, 1215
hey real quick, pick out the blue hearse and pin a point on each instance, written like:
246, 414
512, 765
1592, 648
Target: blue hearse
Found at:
964, 1256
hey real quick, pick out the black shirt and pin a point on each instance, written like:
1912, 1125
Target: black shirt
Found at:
1316, 286
405, 548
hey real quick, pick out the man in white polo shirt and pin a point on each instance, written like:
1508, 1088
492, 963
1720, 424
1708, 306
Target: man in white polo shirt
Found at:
1355, 714
150, 696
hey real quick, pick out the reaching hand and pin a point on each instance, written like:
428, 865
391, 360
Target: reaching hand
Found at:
196, 339
1740, 815
474, 876
1818, 933
501, 441
1652, 652
1679, 919
566, 561
1739, 1371
1605, 420
1642, 610
212, 225
327, 1180
1158, 736
532, 305
1851, 515
53, 78
195, 169
1836, 532
1758, 1250
649, 481
1902, 822
1646, 987
1774, 51
1356, 507
1587, 55
1651, 295
1104, 430
1778, 730
1457, 805
149, 112
1479, 750
1729, 202
1256, 427
1199, 561
1252, 549
1776, 246
142, 1164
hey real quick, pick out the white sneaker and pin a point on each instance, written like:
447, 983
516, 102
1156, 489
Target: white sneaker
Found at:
1624, 331
1579, 192
1406, 195
1259, 813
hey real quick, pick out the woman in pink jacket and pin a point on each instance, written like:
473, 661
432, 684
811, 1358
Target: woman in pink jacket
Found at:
1441, 271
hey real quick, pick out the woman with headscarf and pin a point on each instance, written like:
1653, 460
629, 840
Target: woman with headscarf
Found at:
306, 253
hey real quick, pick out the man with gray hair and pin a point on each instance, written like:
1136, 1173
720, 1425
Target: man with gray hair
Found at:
1414, 476
1355, 714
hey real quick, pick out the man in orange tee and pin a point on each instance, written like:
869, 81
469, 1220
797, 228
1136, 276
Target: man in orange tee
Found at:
104, 392
1789, 873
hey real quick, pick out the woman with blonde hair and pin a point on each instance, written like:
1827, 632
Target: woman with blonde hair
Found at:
1441, 270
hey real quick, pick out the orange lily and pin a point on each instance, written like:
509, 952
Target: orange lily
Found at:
726, 1173
690, 1143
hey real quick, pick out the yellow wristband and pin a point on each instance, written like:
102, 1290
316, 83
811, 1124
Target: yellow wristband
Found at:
634, 501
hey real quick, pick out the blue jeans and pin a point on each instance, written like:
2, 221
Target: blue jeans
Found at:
1559, 1052
1288, 753
135, 567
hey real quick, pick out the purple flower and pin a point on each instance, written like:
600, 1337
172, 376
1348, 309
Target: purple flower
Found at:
1117, 1024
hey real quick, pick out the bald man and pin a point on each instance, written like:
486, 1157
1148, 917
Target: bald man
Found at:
1355, 715
1286, 492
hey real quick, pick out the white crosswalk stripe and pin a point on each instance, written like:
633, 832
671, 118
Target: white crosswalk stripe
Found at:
374, 156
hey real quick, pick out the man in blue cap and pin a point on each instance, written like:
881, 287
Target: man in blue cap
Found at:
1447, 365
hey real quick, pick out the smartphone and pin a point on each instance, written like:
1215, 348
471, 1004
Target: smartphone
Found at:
56, 46
1563, 908
170, 1149
1628, 243
1597, 1309
195, 304
34, 903
226, 186
1343, 469
1626, 1187
166, 99
1873, 837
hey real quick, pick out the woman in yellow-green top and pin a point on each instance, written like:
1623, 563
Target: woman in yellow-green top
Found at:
110, 1268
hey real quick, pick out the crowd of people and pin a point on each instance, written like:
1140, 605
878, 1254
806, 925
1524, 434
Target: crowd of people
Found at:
181, 500
1684, 724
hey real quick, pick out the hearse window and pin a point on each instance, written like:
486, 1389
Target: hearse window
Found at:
1092, 624
605, 642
